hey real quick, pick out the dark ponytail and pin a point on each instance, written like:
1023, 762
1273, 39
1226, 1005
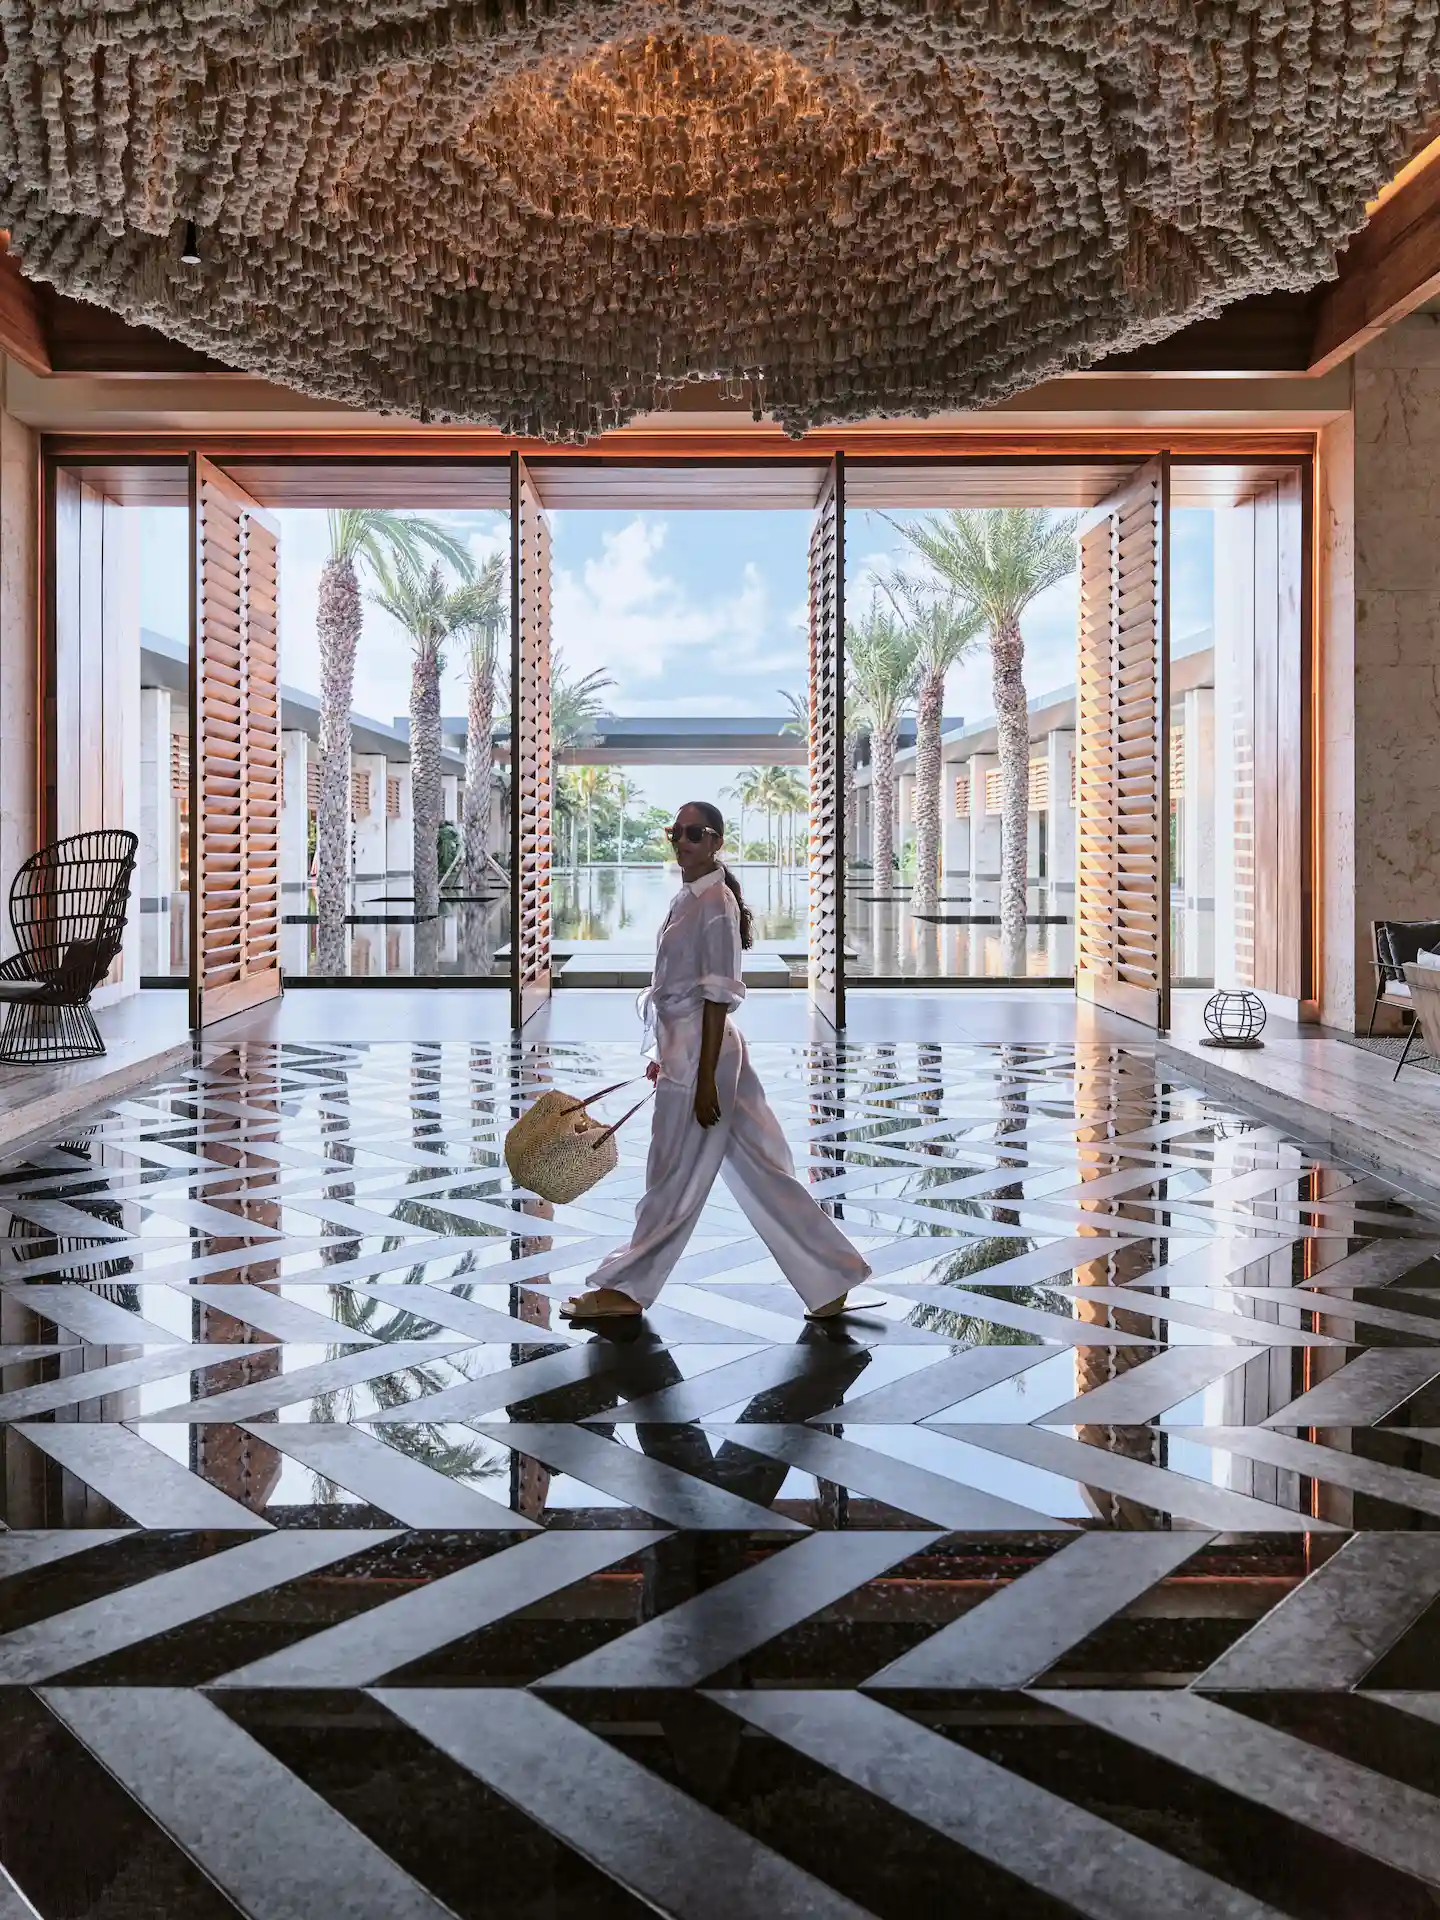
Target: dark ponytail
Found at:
715, 820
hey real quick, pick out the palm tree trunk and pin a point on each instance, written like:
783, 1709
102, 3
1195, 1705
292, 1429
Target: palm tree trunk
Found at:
1007, 659
882, 807
927, 793
475, 819
337, 629
425, 780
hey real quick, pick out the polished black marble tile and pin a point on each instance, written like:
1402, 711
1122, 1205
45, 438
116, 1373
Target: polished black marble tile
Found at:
1085, 1569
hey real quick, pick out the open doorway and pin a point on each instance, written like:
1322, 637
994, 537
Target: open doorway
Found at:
962, 611
678, 628
679, 671
394, 624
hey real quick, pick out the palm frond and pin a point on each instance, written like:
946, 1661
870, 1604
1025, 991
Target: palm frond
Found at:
995, 559
375, 534
881, 665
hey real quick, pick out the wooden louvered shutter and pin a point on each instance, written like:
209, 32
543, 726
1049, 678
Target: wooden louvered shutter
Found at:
530, 748
1123, 915
235, 759
827, 748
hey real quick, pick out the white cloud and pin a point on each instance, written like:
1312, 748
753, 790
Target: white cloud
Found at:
626, 613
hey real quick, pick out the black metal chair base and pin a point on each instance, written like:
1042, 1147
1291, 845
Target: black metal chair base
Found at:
1411, 1037
47, 1035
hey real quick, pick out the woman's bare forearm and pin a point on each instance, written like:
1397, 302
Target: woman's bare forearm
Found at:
712, 1038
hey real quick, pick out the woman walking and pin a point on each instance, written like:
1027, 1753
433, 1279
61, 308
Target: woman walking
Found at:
711, 1115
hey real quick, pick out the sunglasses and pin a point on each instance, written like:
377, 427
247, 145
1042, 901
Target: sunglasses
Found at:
693, 834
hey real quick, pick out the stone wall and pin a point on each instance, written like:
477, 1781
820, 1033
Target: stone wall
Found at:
1380, 662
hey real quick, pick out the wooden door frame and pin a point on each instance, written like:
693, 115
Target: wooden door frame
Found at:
1103, 984
252, 990
528, 992
410, 449
827, 998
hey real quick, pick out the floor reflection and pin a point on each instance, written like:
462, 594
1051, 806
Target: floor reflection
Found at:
1111, 1515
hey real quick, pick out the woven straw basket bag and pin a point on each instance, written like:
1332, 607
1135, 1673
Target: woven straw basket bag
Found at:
558, 1150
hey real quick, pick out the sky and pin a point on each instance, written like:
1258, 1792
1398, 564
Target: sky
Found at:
688, 612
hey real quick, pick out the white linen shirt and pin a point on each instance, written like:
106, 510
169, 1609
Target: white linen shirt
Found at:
697, 959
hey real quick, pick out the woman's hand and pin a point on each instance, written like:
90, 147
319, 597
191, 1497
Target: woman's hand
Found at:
652, 1073
707, 1102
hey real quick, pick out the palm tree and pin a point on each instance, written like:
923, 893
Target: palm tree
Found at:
880, 657
569, 806
626, 791
792, 797
575, 705
943, 627
420, 600
749, 793
482, 619
594, 784
737, 792
361, 538
997, 560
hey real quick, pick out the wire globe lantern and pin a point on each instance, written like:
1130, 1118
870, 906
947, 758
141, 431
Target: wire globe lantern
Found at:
1234, 1019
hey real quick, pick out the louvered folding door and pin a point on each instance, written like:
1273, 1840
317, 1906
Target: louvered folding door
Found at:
827, 748
235, 753
532, 778
1122, 959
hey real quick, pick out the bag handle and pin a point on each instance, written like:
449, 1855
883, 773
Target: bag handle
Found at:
605, 1092
610, 1132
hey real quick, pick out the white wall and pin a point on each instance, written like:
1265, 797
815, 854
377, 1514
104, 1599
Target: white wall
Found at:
1060, 826
369, 856
399, 833
155, 875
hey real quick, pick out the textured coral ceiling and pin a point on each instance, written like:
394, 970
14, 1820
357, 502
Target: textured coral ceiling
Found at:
546, 220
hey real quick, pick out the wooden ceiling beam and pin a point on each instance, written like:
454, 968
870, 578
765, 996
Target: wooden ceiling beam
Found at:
22, 332
1390, 268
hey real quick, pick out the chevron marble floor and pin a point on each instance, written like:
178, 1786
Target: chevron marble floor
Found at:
1092, 1567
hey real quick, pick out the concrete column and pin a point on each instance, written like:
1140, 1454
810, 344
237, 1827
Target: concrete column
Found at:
955, 827
1197, 837
905, 823
1061, 844
369, 839
295, 812
498, 838
1347, 983
450, 798
860, 850
1394, 687
984, 827
399, 840
156, 875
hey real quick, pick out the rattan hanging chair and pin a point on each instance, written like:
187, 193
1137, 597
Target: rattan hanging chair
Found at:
67, 912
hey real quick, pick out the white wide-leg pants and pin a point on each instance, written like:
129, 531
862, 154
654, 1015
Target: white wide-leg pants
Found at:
748, 1149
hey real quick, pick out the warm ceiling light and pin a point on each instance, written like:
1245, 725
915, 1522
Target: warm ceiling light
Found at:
676, 135
551, 220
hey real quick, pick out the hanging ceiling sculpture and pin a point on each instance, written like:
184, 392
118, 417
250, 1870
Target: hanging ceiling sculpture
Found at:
547, 219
